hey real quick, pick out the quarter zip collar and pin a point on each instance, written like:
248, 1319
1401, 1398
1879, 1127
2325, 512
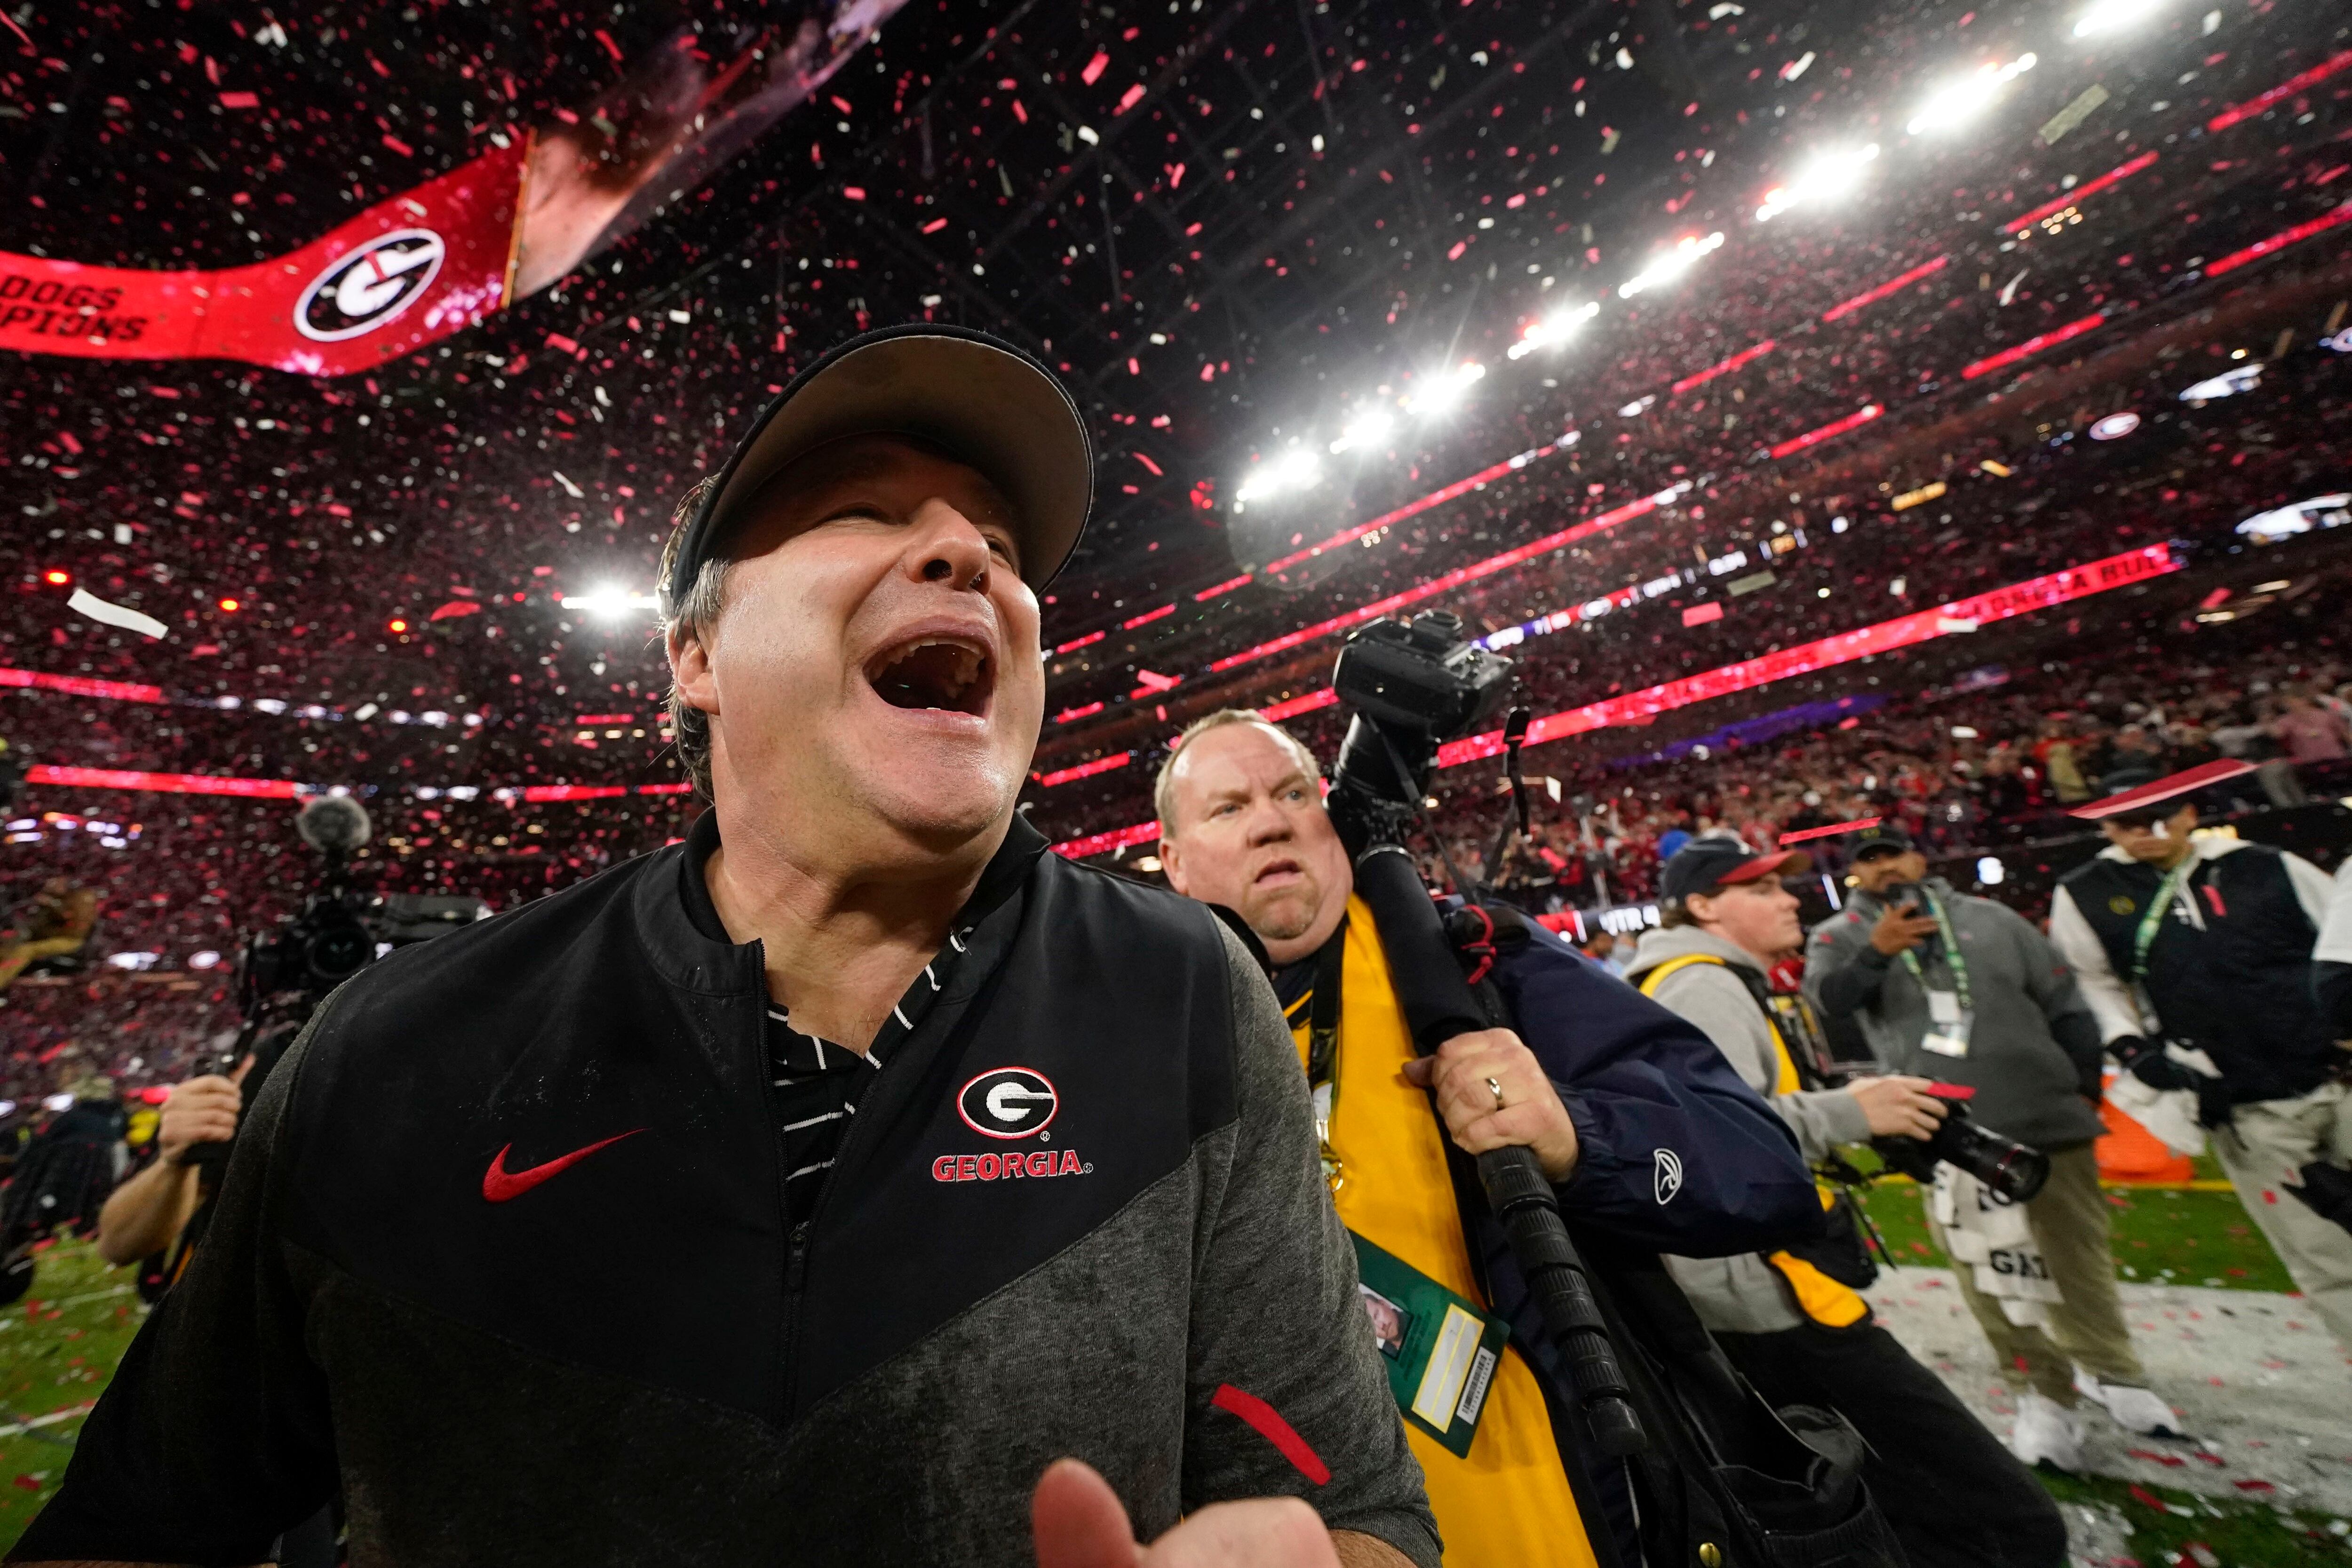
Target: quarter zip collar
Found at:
685, 940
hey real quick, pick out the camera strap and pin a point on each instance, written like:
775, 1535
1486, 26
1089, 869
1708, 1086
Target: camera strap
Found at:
1953, 958
1323, 1009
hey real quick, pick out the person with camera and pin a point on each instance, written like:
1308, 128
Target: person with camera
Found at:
1965, 991
852, 1182
2200, 955
1799, 1331
1635, 1121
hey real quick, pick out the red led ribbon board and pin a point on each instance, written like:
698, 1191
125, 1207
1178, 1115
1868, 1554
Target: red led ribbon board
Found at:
408, 271
1641, 707
161, 783
1924, 625
83, 686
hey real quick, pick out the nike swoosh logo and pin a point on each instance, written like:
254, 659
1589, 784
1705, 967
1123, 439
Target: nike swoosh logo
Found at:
499, 1185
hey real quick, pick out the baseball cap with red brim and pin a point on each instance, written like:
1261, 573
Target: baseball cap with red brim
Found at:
2156, 793
983, 402
1704, 863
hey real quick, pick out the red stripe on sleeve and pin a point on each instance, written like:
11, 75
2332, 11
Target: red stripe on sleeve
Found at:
1270, 1426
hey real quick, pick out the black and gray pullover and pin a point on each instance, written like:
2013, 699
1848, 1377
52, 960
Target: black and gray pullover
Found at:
504, 1255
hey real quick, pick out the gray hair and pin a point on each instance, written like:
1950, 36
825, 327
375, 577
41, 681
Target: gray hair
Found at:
1164, 788
690, 726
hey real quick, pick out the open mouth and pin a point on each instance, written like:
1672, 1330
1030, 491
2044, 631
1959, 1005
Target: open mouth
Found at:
945, 673
1274, 868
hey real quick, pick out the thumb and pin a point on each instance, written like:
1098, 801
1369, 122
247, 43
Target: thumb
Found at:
1421, 1072
1078, 1521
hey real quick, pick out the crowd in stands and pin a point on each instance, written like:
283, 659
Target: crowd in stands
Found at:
1963, 771
2190, 475
2138, 248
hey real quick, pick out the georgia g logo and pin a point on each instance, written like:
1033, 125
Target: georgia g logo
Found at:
1007, 1103
364, 287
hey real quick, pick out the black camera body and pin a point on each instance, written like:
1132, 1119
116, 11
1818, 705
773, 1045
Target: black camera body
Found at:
316, 950
1413, 685
2012, 1170
283, 974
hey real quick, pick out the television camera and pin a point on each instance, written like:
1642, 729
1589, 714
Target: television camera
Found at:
284, 973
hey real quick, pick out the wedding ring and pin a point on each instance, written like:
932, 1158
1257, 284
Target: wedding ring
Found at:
1496, 1090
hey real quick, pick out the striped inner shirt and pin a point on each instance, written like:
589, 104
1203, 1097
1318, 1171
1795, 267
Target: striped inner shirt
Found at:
818, 1085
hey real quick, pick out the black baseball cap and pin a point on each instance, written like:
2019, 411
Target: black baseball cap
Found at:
1878, 835
981, 400
1704, 863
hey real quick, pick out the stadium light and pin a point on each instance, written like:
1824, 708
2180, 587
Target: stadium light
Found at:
1826, 178
1364, 429
1294, 471
2228, 384
2112, 15
1554, 330
1961, 102
1671, 265
2302, 517
610, 602
1443, 390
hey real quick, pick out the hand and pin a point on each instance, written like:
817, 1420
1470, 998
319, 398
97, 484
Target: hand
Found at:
1898, 929
1899, 1107
201, 1111
2146, 1060
1079, 1522
1531, 1115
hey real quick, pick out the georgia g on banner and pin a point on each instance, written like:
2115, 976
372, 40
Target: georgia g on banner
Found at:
428, 262
436, 258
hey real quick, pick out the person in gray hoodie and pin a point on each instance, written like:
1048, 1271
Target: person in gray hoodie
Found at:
1953, 1494
1965, 991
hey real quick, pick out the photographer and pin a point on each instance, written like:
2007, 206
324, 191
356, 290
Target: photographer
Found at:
1962, 990
2202, 957
148, 1212
1954, 1495
739, 1205
1613, 1094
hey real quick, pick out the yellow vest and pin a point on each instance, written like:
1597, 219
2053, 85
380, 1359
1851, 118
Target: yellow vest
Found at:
1819, 1297
1507, 1504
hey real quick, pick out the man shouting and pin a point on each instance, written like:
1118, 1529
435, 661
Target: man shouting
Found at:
800, 1193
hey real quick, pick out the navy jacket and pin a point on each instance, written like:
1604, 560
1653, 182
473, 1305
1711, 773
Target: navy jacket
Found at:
1677, 1154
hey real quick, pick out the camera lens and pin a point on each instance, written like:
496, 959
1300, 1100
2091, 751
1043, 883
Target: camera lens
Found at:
338, 952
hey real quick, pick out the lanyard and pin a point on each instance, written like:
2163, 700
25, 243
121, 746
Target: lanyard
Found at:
1952, 959
1323, 1010
2158, 908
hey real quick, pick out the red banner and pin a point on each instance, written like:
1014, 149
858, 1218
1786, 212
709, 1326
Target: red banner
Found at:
429, 262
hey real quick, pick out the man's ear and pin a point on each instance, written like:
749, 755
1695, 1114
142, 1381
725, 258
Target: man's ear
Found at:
689, 668
1172, 866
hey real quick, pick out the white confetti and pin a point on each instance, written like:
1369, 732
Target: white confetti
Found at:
98, 609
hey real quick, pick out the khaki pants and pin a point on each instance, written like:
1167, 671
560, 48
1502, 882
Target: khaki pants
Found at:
2069, 1219
2264, 1144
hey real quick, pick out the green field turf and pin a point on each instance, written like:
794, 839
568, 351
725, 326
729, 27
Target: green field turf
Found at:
2182, 1530
57, 1349
2162, 1235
